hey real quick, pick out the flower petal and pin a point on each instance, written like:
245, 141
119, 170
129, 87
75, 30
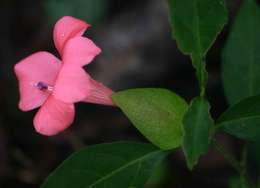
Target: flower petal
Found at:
67, 28
79, 51
53, 117
99, 94
72, 84
41, 66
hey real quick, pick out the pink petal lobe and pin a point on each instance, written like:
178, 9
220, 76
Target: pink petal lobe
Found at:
72, 84
53, 117
38, 67
79, 51
99, 94
66, 28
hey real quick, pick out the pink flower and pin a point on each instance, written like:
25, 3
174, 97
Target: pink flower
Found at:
54, 85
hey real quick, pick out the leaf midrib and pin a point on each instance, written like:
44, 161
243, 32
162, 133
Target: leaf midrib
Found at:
233, 120
197, 19
195, 138
121, 168
251, 57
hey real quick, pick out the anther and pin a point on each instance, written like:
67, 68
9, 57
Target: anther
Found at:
43, 86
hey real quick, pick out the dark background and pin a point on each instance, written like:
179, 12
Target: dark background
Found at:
135, 37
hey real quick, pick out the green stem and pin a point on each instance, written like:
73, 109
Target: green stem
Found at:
230, 158
203, 77
244, 177
198, 62
240, 167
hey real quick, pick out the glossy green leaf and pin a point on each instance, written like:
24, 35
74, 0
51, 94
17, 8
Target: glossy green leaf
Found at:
243, 119
198, 127
119, 164
241, 57
156, 113
195, 26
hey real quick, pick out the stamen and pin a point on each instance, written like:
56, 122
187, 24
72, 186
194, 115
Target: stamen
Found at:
43, 86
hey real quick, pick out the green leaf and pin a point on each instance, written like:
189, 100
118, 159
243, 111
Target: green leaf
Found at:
119, 164
198, 127
241, 56
159, 175
242, 119
195, 26
238, 182
156, 113
234, 182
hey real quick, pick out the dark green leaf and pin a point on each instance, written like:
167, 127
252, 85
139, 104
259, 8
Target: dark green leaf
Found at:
159, 175
197, 131
238, 182
120, 165
156, 113
243, 119
234, 182
241, 57
195, 25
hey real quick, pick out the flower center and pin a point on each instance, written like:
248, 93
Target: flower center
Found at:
43, 86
